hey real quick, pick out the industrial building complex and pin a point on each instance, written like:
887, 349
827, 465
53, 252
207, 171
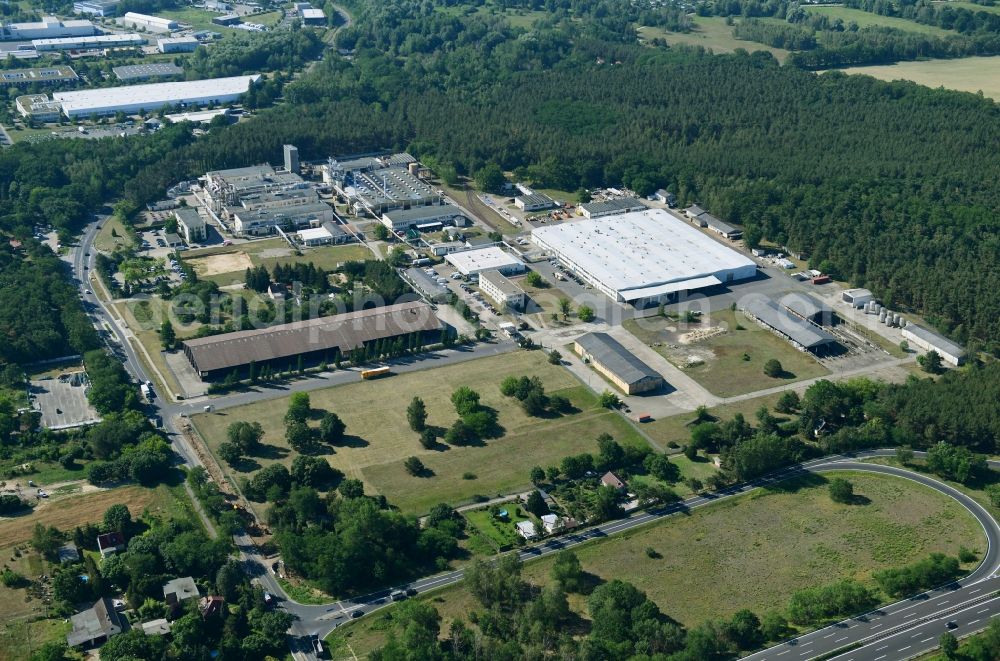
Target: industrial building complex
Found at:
152, 96
928, 340
802, 334
314, 339
606, 355
375, 185
644, 257
48, 28
474, 262
46, 76
501, 291
433, 216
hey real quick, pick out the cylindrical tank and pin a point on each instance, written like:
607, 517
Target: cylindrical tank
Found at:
896, 319
882, 316
414, 168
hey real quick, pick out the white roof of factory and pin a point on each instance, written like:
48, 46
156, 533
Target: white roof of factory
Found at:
643, 251
96, 39
154, 94
313, 13
314, 233
474, 261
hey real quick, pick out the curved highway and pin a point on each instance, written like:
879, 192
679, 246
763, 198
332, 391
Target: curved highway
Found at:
898, 631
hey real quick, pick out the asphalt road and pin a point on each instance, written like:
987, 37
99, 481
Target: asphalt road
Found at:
897, 631
917, 614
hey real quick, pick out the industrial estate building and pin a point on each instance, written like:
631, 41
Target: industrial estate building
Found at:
190, 224
45, 76
326, 234
238, 186
857, 298
809, 308
620, 366
314, 339
928, 340
48, 28
38, 107
263, 220
375, 185
802, 334
474, 262
100, 41
501, 291
146, 71
149, 23
96, 7
611, 207
430, 217
427, 286
177, 44
534, 202
153, 96
310, 15
702, 218
643, 258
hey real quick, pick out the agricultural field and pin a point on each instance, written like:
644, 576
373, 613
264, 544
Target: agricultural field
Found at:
750, 552
227, 266
379, 438
866, 19
710, 32
725, 352
967, 74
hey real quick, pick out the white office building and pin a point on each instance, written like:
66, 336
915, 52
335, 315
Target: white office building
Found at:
177, 44
501, 291
643, 257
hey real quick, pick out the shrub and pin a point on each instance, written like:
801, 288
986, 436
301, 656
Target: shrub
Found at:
773, 368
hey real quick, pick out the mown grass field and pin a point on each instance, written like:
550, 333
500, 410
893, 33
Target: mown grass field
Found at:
380, 438
750, 552
728, 373
105, 241
710, 32
866, 19
967, 74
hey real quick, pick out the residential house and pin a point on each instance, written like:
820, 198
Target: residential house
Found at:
526, 529
179, 589
110, 543
611, 480
95, 626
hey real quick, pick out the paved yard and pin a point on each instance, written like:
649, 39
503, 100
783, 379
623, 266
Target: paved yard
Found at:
63, 401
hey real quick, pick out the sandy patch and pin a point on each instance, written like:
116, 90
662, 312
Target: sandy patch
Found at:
274, 252
700, 334
217, 264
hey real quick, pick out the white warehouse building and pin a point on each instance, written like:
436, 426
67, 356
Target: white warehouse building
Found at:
474, 262
928, 340
153, 96
643, 257
49, 27
147, 22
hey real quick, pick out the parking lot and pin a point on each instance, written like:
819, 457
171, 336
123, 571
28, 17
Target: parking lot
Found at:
63, 401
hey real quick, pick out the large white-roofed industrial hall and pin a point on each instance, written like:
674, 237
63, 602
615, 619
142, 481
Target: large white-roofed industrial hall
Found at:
152, 97
643, 257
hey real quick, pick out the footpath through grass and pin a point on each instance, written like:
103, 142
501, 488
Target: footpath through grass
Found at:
752, 552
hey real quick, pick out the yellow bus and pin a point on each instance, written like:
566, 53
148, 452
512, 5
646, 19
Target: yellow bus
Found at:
374, 373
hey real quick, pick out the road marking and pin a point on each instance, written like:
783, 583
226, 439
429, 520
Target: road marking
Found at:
942, 602
880, 657
876, 626
975, 591
840, 639
974, 621
878, 649
780, 653
982, 611
927, 640
909, 616
830, 634
905, 648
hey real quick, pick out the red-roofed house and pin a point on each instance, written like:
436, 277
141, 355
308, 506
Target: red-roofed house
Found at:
612, 480
110, 543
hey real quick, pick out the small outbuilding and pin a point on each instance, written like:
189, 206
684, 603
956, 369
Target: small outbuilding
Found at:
618, 364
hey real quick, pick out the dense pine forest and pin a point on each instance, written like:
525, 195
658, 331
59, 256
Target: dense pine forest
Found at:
891, 186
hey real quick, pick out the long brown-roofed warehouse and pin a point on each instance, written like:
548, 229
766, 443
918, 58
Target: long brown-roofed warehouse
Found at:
311, 338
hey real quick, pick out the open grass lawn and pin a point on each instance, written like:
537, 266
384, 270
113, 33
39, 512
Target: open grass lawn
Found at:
729, 372
709, 32
967, 74
865, 19
676, 428
105, 241
380, 438
21, 639
199, 19
87, 508
751, 552
971, 6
